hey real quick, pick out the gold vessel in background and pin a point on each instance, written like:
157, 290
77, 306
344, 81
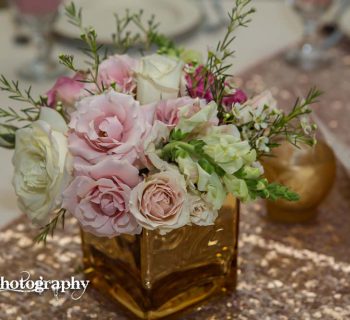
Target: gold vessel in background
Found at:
152, 276
309, 171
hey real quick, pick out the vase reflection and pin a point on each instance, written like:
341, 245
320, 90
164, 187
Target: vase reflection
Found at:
309, 171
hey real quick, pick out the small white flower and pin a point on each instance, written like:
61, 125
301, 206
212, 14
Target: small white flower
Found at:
306, 125
261, 144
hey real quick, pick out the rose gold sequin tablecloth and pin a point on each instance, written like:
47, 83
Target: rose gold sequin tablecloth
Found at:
285, 272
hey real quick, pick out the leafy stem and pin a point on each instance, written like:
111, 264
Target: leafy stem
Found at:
18, 94
28, 114
217, 64
146, 37
49, 229
92, 49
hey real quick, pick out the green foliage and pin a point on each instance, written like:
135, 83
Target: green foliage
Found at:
49, 229
261, 188
18, 94
68, 61
28, 114
7, 136
285, 125
217, 61
280, 125
91, 48
147, 35
177, 135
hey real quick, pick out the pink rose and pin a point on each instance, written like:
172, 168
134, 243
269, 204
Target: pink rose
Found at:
99, 199
167, 111
159, 202
238, 96
118, 69
197, 86
108, 124
67, 90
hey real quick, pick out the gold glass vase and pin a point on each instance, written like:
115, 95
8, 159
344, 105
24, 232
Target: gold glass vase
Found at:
152, 276
308, 171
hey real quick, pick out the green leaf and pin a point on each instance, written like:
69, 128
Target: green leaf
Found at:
206, 165
50, 228
7, 136
177, 135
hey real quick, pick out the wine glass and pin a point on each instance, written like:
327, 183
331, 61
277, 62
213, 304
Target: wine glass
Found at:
39, 16
309, 55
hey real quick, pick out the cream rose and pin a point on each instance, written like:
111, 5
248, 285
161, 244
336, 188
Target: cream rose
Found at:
160, 202
41, 164
158, 78
202, 214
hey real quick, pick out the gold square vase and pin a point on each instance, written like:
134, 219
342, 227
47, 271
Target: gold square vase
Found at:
152, 276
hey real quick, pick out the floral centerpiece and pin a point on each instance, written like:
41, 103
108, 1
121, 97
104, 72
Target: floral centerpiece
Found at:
145, 145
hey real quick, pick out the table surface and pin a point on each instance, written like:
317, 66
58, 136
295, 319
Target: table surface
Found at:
264, 37
286, 272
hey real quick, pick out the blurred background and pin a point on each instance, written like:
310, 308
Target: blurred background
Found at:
304, 36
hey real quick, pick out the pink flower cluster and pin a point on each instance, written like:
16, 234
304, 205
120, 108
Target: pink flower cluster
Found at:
117, 70
108, 135
198, 85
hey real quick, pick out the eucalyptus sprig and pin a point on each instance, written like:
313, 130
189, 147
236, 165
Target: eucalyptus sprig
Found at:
50, 228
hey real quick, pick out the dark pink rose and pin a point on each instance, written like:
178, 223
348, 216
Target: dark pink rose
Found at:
108, 124
238, 96
67, 90
99, 198
197, 86
118, 70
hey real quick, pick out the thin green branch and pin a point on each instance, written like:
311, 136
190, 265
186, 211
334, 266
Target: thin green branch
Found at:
50, 228
92, 49
217, 61
18, 94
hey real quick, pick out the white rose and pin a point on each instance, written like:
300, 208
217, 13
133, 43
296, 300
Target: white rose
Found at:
41, 164
158, 78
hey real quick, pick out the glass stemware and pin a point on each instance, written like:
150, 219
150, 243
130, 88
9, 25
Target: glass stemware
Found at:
309, 55
39, 16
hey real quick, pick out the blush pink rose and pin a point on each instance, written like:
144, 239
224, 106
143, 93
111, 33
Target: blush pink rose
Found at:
67, 90
159, 202
118, 69
108, 124
99, 199
167, 111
